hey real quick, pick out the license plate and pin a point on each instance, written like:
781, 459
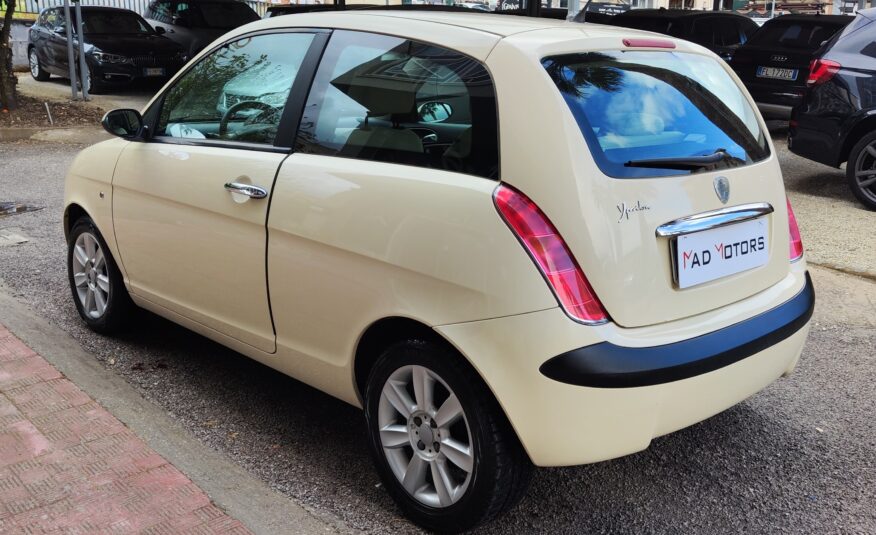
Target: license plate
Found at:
154, 71
704, 256
777, 73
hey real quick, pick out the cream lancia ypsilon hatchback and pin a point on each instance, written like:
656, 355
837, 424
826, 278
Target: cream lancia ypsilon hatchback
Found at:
512, 241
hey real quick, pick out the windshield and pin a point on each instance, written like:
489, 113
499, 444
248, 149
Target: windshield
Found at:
637, 106
222, 15
113, 22
803, 35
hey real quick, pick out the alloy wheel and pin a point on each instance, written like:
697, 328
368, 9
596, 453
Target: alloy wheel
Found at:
34, 63
90, 275
425, 436
865, 171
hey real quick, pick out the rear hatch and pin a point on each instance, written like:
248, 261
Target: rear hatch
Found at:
673, 139
778, 55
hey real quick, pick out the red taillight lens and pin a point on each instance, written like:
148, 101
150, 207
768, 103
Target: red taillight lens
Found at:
821, 70
796, 249
551, 255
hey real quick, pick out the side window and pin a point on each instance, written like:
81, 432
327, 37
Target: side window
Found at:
237, 92
162, 11
703, 32
394, 100
727, 33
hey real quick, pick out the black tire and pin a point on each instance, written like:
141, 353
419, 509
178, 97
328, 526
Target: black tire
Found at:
95, 86
860, 155
501, 469
36, 68
119, 306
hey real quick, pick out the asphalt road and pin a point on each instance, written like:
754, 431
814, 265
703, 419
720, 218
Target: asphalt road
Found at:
798, 457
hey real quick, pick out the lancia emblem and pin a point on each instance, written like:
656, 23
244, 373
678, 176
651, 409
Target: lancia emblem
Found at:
722, 188
778, 58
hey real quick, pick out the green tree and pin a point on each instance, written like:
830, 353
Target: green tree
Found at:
8, 98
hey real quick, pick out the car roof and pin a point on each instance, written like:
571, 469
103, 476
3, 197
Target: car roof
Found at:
832, 19
450, 21
673, 13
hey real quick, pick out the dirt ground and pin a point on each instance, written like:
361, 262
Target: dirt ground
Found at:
31, 112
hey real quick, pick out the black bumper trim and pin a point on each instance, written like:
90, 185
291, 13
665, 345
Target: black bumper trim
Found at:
607, 365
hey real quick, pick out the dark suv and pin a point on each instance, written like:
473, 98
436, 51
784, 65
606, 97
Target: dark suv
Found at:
120, 48
774, 63
836, 121
721, 32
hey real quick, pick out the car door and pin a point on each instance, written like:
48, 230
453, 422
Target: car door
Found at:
56, 49
190, 205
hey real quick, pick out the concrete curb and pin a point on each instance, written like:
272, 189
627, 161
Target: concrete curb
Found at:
234, 490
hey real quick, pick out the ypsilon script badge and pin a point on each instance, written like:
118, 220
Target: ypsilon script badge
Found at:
722, 188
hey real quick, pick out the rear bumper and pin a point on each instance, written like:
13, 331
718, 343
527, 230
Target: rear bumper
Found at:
607, 365
775, 111
753, 343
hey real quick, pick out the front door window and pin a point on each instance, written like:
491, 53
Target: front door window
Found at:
236, 93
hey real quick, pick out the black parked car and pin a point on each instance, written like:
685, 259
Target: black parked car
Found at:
774, 63
836, 121
120, 47
719, 31
195, 24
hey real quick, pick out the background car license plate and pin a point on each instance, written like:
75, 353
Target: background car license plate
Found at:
777, 73
711, 254
154, 71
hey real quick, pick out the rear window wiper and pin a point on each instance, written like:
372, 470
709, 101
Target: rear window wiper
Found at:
688, 163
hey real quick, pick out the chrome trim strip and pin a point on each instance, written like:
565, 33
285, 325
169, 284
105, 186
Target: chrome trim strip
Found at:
713, 219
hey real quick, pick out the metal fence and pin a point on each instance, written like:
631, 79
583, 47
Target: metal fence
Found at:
32, 7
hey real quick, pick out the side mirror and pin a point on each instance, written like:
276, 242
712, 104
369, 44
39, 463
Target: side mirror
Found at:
160, 30
181, 20
434, 112
124, 123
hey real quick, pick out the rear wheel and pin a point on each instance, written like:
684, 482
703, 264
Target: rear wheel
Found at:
861, 170
36, 69
98, 289
442, 446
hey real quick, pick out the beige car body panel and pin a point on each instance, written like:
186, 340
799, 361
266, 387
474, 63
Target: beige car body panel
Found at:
351, 242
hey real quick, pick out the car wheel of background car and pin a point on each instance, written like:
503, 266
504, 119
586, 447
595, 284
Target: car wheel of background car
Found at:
36, 70
94, 85
95, 280
443, 448
861, 170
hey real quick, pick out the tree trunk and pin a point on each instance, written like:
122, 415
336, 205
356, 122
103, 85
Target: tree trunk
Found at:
8, 98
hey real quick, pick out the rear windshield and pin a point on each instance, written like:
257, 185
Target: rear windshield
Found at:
223, 15
802, 35
634, 107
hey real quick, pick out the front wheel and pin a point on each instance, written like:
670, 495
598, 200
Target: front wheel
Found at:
443, 448
861, 170
36, 68
98, 289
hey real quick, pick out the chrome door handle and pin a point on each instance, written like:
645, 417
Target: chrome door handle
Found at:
249, 190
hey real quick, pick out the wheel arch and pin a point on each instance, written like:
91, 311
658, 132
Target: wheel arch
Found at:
73, 213
384, 332
858, 131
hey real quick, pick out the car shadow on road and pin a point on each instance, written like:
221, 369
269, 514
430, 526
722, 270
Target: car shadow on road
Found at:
313, 447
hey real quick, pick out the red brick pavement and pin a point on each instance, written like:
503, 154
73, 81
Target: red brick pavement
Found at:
69, 466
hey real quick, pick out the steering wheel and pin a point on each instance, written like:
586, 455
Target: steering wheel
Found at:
229, 113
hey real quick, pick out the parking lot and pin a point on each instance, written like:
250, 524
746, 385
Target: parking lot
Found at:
800, 456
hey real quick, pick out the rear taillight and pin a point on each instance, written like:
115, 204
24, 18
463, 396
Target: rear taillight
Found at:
551, 255
796, 249
821, 70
